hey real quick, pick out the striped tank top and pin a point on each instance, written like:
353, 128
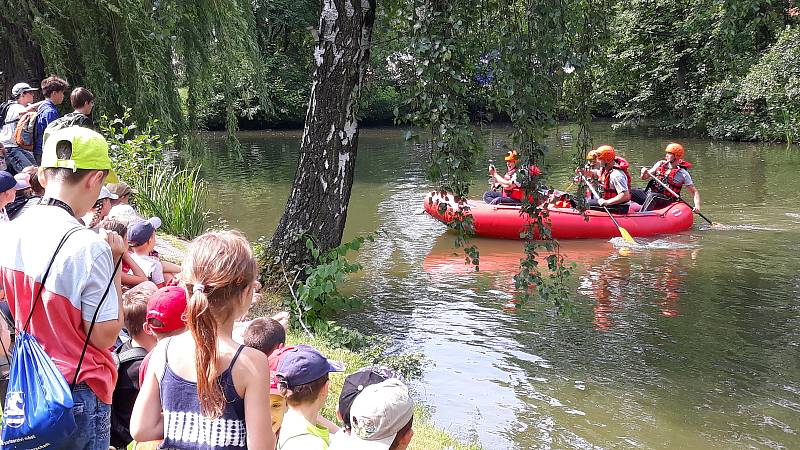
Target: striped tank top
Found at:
186, 428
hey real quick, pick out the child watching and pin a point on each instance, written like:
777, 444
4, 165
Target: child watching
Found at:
382, 416
202, 389
164, 318
277, 404
305, 372
142, 240
128, 358
352, 386
132, 274
264, 334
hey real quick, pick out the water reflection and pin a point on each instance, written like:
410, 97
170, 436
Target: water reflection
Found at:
688, 341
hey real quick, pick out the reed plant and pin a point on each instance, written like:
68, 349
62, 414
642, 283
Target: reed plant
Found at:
177, 196
141, 158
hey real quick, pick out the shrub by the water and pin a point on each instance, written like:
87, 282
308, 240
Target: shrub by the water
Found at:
178, 196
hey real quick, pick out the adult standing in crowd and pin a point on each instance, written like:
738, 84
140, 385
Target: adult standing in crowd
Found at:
53, 89
20, 103
76, 165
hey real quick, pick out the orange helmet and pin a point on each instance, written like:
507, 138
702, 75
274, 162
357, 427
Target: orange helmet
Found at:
605, 153
512, 156
675, 149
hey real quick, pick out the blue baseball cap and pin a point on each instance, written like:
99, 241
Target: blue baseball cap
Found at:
8, 182
304, 364
140, 233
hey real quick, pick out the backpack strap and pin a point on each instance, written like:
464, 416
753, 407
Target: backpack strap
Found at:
132, 354
94, 320
38, 295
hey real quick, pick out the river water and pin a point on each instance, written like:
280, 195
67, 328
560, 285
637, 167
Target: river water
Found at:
689, 342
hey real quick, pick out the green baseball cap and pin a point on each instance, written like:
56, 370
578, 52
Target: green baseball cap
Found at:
89, 151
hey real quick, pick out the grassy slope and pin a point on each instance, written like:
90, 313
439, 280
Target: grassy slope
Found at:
426, 437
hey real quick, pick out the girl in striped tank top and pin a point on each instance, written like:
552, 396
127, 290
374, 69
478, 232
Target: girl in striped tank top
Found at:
202, 390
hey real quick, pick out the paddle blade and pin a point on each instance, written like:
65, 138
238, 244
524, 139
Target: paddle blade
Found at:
625, 235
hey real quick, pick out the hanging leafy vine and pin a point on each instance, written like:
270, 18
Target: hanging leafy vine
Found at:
137, 54
520, 53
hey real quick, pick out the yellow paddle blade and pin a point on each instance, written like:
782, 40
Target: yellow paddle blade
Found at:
625, 235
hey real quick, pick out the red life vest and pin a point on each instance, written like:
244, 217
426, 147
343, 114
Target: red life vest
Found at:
667, 176
516, 192
605, 177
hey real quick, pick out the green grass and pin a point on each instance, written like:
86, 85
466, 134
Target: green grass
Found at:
426, 436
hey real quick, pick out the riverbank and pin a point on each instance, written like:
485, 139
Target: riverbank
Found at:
426, 435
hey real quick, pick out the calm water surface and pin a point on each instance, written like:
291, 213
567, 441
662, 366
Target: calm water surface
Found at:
691, 342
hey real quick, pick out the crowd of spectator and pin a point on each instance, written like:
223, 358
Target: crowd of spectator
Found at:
171, 361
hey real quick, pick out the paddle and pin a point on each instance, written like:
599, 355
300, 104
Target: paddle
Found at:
622, 231
664, 185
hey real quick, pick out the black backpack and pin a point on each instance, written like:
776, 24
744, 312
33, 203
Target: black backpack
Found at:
4, 111
128, 360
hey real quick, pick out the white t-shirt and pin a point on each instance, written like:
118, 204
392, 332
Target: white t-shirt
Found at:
79, 277
619, 182
7, 132
151, 266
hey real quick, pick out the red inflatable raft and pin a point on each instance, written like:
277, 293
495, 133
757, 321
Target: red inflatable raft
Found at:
506, 222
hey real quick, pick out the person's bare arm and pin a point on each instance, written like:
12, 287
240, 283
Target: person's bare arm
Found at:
696, 195
105, 333
170, 267
147, 423
622, 197
646, 174
254, 374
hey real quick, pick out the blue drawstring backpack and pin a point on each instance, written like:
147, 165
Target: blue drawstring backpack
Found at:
38, 405
38, 408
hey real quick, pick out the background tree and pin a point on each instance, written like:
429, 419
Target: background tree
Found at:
317, 204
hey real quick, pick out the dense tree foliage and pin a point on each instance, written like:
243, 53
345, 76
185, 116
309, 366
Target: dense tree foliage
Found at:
680, 64
673, 64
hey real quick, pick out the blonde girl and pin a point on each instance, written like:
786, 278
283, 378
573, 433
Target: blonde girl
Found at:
213, 391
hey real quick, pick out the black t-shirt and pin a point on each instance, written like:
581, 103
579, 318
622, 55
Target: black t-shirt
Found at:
128, 360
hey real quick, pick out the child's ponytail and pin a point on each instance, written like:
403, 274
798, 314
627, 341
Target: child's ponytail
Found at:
203, 326
218, 269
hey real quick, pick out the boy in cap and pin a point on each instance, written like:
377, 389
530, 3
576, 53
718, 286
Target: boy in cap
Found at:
21, 102
382, 418
165, 317
305, 372
352, 386
142, 240
75, 165
121, 206
9, 185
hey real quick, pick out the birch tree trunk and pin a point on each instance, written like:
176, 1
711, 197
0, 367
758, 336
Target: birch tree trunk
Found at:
320, 193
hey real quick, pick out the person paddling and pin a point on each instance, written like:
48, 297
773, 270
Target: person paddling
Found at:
612, 172
505, 182
672, 171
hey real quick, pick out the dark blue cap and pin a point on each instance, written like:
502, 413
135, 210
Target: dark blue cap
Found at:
8, 182
140, 233
304, 364
355, 383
